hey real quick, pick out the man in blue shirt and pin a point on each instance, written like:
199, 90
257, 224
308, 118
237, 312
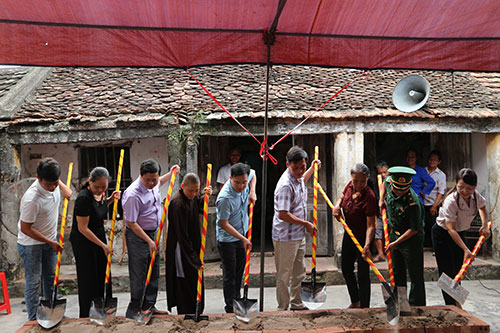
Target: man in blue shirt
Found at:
232, 227
421, 178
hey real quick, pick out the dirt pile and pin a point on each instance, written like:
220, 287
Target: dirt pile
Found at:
364, 319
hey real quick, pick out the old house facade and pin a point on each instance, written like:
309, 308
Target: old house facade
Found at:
85, 115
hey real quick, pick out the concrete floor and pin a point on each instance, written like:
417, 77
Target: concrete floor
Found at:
482, 303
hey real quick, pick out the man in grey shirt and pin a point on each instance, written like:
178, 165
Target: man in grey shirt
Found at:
289, 227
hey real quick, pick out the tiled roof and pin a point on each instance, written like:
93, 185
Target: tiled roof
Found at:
489, 80
144, 94
9, 77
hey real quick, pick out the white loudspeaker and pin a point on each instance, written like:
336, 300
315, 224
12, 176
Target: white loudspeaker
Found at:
411, 93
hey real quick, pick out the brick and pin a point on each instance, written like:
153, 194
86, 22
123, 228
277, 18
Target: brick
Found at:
330, 330
357, 330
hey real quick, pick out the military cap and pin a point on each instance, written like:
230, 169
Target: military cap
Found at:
401, 177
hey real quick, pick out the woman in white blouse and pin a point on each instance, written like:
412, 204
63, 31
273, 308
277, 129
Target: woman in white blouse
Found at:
460, 206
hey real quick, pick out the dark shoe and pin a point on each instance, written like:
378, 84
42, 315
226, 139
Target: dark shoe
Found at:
304, 308
229, 309
159, 312
131, 313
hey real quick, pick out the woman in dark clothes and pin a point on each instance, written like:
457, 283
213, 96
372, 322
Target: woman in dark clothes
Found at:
88, 238
360, 208
183, 246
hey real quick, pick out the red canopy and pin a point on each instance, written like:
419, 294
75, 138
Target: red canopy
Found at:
420, 34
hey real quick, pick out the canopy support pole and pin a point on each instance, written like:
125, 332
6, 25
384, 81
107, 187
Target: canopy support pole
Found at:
269, 39
264, 187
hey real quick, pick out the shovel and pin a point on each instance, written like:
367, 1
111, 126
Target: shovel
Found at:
404, 305
246, 309
144, 315
453, 287
197, 315
313, 293
391, 302
103, 310
50, 312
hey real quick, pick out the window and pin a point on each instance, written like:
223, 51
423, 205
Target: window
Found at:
108, 157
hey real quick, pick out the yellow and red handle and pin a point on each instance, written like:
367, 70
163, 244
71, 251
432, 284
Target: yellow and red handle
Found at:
315, 207
349, 231
115, 209
203, 234
468, 262
247, 262
386, 234
63, 224
162, 222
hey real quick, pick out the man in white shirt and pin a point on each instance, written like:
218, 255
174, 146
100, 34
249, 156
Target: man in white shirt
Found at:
37, 232
225, 170
433, 199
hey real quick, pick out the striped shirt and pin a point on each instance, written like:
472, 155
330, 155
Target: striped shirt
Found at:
291, 196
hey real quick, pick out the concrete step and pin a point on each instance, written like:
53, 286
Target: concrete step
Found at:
327, 271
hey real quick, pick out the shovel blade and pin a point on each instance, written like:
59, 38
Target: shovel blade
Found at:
245, 309
144, 316
313, 297
49, 314
102, 312
391, 302
452, 288
404, 305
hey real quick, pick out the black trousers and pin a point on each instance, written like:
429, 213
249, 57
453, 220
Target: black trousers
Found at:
185, 294
359, 290
408, 256
449, 256
138, 265
429, 222
90, 273
233, 264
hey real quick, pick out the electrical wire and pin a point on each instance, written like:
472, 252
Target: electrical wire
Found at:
488, 288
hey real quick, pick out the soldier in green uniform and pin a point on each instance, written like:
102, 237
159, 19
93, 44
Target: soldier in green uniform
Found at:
405, 216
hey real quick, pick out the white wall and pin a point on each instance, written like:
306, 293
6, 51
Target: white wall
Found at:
143, 149
63, 153
140, 150
480, 161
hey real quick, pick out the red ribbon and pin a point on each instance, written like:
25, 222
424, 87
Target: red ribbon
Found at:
264, 149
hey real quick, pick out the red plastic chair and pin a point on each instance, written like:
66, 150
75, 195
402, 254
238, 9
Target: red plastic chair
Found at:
5, 305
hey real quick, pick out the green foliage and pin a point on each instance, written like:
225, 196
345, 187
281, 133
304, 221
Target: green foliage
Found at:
63, 290
190, 131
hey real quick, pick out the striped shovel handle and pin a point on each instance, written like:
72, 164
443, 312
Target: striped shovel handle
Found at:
203, 234
63, 224
115, 209
386, 234
349, 232
315, 207
468, 262
163, 218
247, 261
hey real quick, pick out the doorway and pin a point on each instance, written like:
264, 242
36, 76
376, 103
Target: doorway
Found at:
216, 150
